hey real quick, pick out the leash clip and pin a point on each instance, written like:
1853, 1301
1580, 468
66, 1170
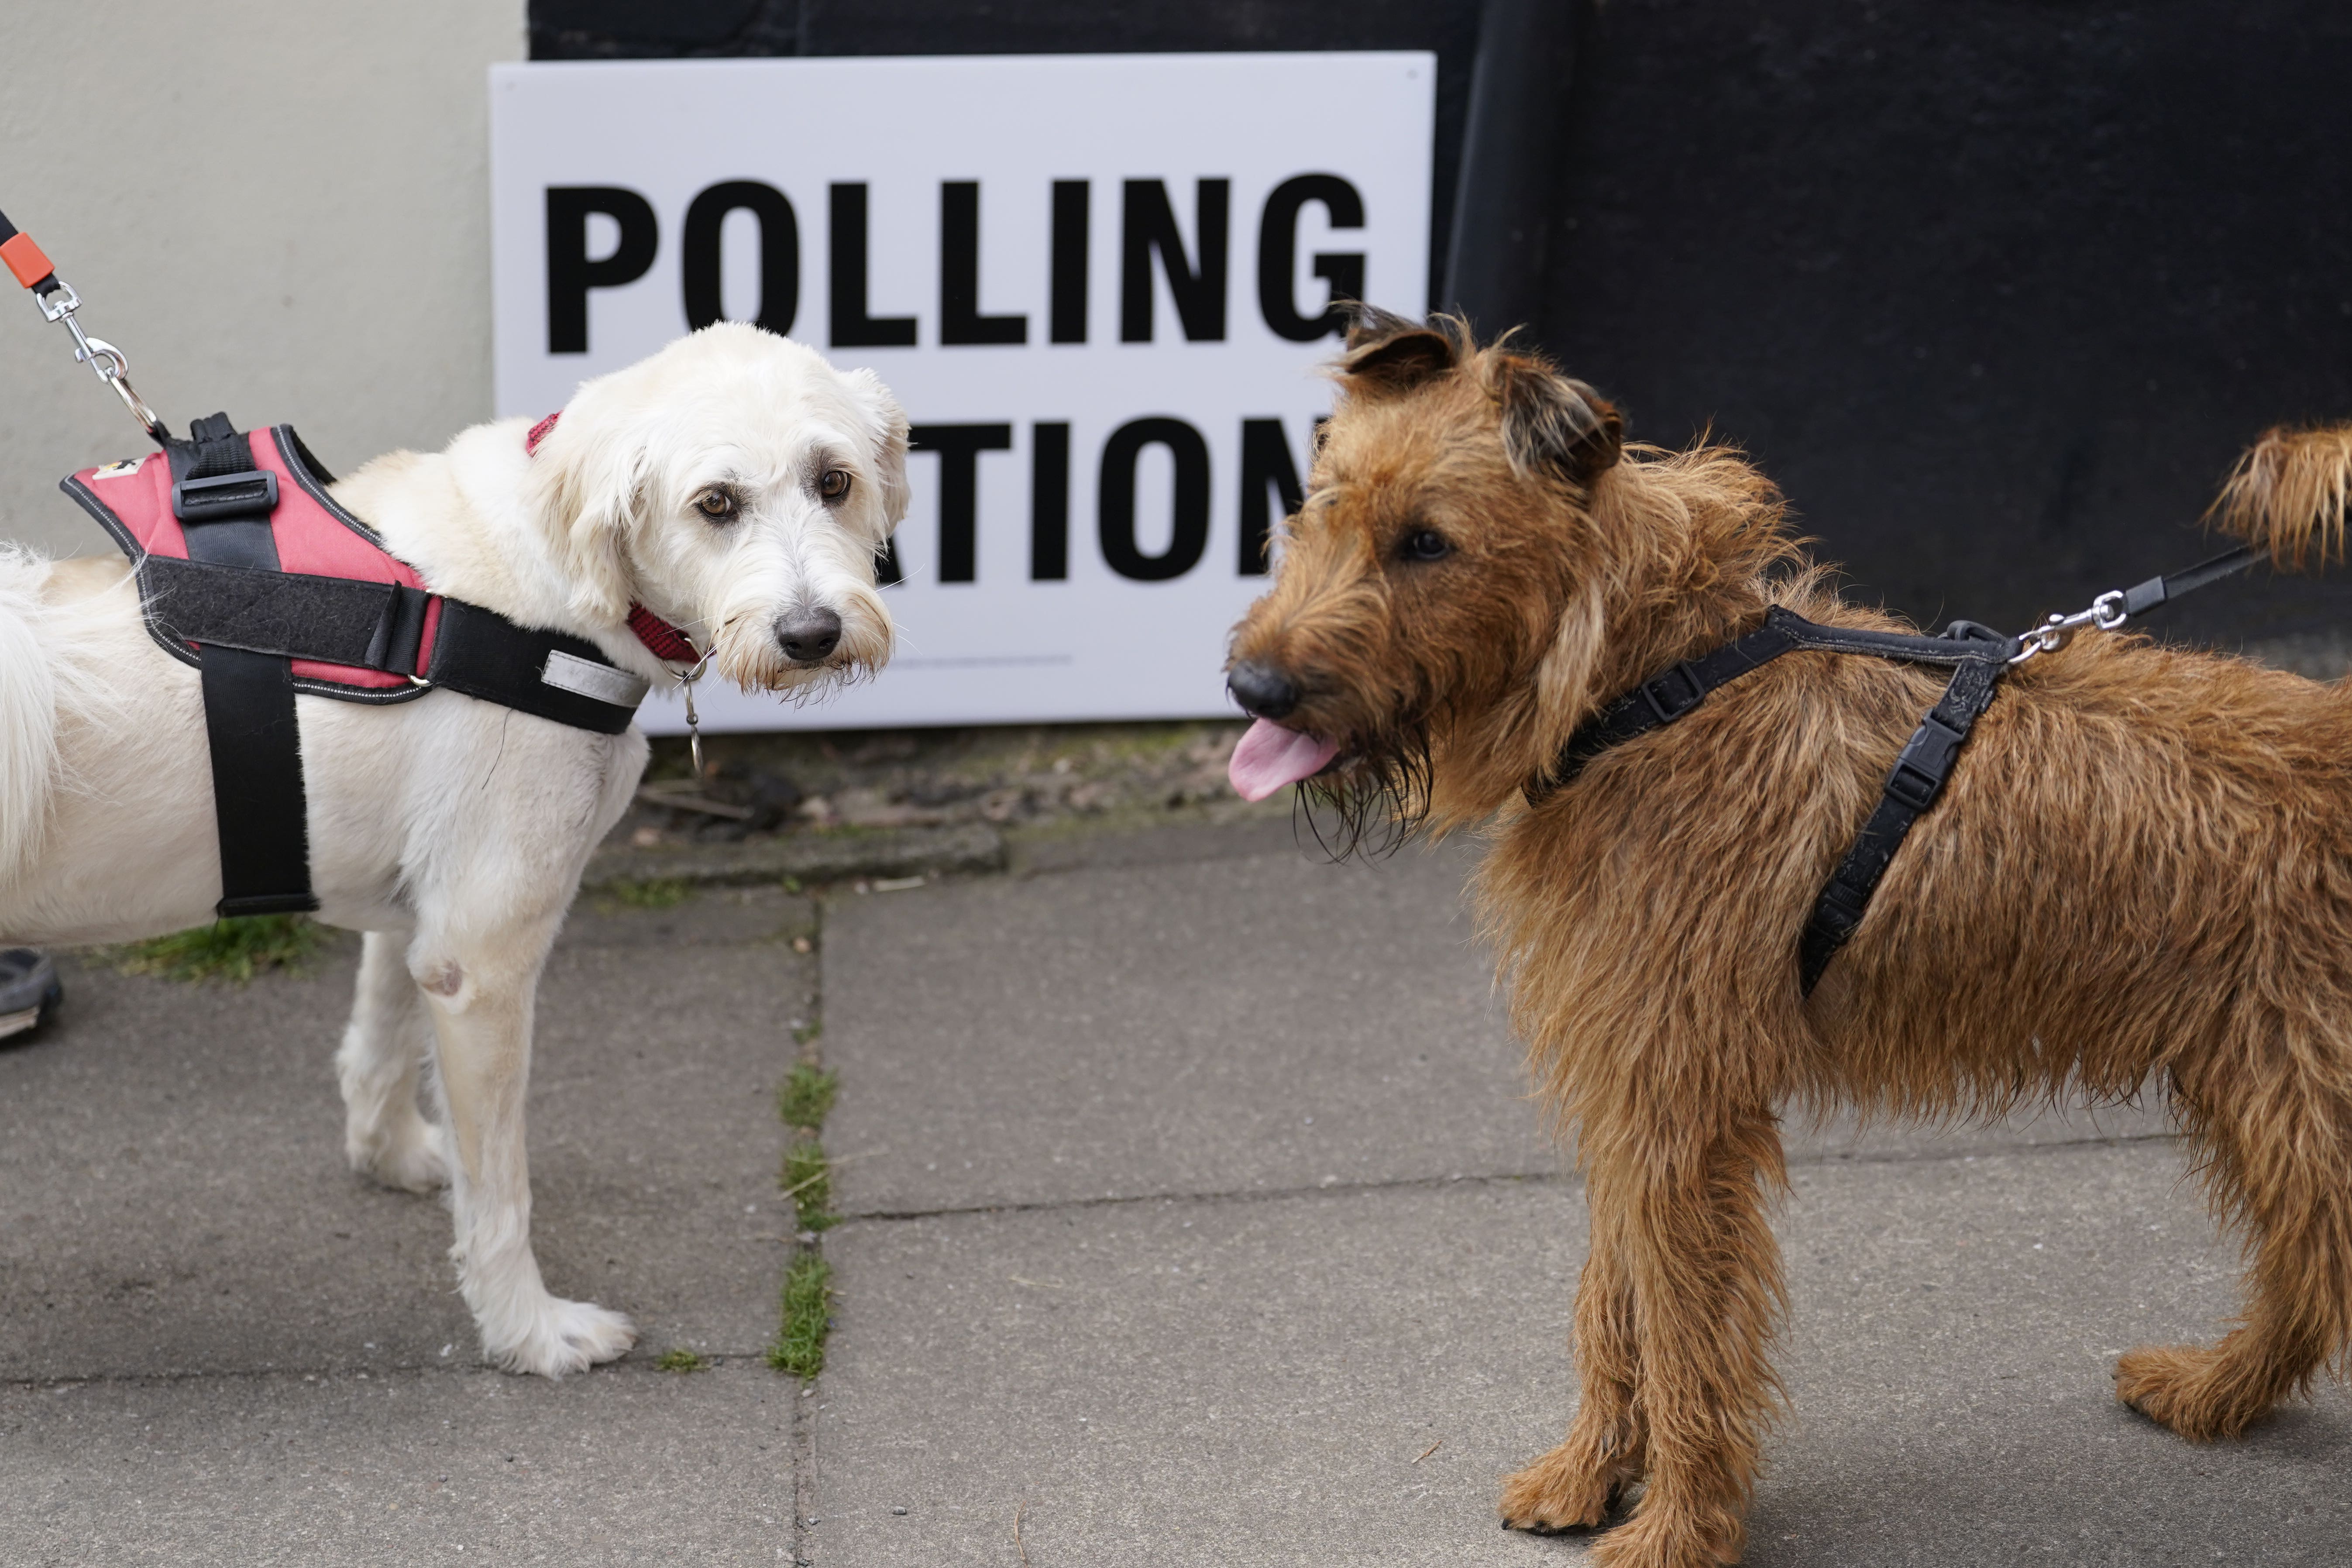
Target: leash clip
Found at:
109, 363
58, 303
2107, 613
693, 722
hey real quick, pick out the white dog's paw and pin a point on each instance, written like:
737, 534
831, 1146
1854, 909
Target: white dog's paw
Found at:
564, 1337
413, 1155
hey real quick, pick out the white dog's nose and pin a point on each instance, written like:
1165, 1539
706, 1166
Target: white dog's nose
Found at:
809, 635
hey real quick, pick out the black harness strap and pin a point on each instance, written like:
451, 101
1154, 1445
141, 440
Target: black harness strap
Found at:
1980, 657
380, 625
482, 654
1910, 789
334, 620
224, 502
1668, 695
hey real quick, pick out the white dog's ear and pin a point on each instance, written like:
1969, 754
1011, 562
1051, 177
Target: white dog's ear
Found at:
589, 493
886, 440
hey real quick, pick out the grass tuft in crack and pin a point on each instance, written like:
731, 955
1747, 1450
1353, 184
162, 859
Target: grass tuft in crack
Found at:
650, 893
235, 950
808, 1182
802, 1102
682, 1360
806, 1098
808, 1305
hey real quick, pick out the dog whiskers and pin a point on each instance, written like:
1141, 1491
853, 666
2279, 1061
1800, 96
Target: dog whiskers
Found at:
1378, 798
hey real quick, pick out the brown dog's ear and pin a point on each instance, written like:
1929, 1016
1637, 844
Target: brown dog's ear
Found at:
1553, 423
1390, 354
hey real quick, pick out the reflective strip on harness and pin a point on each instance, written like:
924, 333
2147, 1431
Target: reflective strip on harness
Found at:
601, 681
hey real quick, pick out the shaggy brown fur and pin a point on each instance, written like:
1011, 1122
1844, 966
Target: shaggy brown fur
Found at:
2143, 866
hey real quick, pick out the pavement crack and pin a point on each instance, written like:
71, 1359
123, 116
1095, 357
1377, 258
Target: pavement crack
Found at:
1485, 1178
1242, 1195
803, 1105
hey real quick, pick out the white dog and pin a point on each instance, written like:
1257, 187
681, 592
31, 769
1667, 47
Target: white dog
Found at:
734, 484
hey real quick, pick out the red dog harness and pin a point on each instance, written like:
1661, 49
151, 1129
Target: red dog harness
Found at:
248, 569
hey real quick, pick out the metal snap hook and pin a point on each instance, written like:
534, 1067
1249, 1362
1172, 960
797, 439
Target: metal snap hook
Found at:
693, 721
2107, 613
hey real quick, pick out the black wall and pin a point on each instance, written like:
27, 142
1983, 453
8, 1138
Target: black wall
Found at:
1996, 289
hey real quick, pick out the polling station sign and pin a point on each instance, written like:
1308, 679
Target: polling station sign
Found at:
1100, 285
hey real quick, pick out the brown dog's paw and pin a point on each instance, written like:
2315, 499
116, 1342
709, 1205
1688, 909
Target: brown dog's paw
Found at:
2172, 1385
1564, 1491
1658, 1538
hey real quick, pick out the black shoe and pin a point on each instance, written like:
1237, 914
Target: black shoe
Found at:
29, 991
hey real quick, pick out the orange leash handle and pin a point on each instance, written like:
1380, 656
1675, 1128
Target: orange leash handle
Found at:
23, 258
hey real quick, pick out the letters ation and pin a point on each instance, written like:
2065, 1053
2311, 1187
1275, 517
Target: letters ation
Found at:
1115, 500
1069, 268
571, 274
1049, 503
780, 254
959, 318
1278, 254
1149, 225
1266, 471
959, 446
852, 327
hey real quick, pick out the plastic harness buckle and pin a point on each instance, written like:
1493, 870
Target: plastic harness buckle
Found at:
218, 496
1667, 703
1926, 761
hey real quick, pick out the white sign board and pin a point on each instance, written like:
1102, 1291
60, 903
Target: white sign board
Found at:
1098, 284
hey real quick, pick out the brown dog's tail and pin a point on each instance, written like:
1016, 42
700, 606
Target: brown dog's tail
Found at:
2288, 495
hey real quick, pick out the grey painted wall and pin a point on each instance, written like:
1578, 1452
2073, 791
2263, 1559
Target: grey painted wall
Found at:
276, 208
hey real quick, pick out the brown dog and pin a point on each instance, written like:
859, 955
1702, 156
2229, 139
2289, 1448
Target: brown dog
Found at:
2143, 865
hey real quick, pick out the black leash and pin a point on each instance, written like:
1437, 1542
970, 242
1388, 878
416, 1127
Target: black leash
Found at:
1980, 658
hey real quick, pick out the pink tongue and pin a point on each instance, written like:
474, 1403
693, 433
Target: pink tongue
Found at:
1270, 756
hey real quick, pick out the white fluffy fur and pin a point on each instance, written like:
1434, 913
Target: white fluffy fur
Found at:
453, 832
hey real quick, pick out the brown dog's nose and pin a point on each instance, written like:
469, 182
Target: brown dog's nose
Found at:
1261, 689
809, 635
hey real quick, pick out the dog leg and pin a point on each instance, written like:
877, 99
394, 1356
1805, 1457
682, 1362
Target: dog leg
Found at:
480, 995
1706, 1277
385, 1135
2279, 1158
1575, 1486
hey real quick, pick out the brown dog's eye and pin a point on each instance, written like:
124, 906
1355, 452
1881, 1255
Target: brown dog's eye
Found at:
1426, 544
718, 506
834, 484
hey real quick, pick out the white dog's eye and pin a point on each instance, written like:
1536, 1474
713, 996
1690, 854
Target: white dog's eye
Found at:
718, 505
833, 484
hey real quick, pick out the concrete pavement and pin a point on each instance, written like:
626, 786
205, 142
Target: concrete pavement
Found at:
224, 1348
1193, 1215
1197, 1218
